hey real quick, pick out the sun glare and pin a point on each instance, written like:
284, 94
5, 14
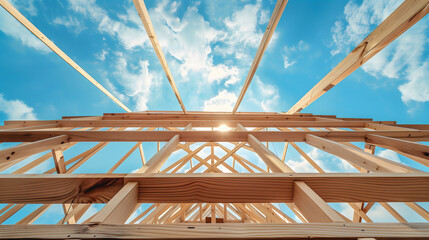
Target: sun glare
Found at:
223, 128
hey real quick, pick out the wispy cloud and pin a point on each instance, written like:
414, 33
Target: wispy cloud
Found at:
11, 27
129, 35
403, 60
224, 102
16, 109
136, 80
69, 22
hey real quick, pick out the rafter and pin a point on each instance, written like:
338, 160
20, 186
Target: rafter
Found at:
272, 24
26, 23
147, 23
404, 17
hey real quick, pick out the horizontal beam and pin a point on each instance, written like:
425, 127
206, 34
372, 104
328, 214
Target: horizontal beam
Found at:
205, 136
199, 123
216, 188
13, 153
218, 231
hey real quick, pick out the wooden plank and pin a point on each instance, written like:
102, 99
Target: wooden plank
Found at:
357, 156
120, 207
205, 136
59, 160
405, 16
24, 21
61, 188
312, 205
272, 161
215, 187
218, 231
26, 150
412, 148
269, 31
147, 23
155, 163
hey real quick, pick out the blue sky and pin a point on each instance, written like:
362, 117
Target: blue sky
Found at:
209, 46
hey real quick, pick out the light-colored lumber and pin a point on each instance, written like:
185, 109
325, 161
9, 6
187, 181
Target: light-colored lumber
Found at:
155, 163
412, 148
214, 187
28, 149
272, 161
147, 23
120, 207
218, 231
59, 160
269, 31
24, 21
312, 206
356, 156
206, 136
405, 16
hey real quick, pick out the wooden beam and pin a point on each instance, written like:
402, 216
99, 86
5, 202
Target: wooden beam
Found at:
147, 23
412, 148
59, 160
357, 156
25, 150
155, 163
312, 205
218, 231
214, 187
205, 136
120, 207
24, 21
272, 161
272, 24
405, 16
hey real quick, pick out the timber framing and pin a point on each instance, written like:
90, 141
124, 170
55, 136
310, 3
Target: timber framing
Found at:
229, 181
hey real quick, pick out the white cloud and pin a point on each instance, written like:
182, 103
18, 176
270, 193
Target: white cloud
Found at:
224, 102
417, 89
360, 19
403, 59
287, 63
265, 96
389, 154
102, 55
10, 26
129, 37
16, 109
326, 161
136, 80
69, 22
26, 6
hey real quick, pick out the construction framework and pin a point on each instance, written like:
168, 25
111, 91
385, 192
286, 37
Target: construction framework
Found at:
207, 195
